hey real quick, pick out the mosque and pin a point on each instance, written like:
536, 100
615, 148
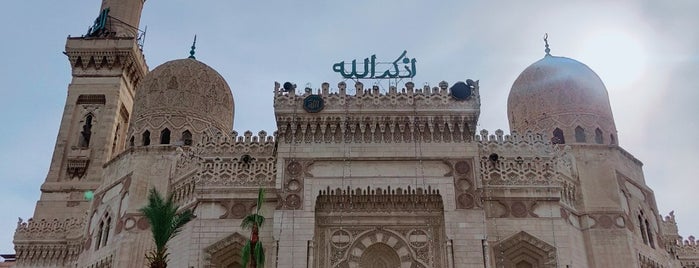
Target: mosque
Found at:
354, 178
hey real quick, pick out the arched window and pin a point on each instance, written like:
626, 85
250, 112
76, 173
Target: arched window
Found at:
650, 235
558, 137
103, 232
107, 226
642, 229
132, 141
86, 133
580, 134
165, 136
99, 236
611, 139
598, 136
187, 137
146, 138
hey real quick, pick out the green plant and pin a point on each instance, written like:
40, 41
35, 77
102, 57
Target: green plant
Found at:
165, 223
253, 251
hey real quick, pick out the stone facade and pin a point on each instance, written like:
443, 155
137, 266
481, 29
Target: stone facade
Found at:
354, 178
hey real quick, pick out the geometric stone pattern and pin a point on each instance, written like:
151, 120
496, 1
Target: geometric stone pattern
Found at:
523, 247
399, 226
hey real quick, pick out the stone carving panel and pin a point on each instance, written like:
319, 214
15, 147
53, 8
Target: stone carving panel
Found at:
291, 195
353, 224
467, 196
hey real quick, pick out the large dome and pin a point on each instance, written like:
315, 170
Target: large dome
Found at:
564, 99
182, 95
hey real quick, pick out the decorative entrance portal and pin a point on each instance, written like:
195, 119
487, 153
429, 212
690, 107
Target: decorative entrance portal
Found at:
379, 228
379, 255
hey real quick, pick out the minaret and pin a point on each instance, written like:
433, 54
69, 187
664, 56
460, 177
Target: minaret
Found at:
107, 64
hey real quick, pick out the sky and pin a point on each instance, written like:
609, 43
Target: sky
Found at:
646, 53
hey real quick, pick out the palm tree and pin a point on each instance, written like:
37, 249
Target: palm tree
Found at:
165, 223
253, 251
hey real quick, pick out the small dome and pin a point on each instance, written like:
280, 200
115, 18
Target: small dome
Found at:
182, 95
563, 95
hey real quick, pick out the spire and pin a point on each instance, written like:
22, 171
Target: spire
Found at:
194, 44
546, 42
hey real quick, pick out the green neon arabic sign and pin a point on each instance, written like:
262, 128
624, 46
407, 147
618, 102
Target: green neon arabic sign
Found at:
369, 72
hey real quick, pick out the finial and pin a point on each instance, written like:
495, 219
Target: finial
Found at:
546, 42
194, 44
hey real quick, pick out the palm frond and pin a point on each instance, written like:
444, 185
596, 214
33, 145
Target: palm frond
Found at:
260, 199
259, 255
246, 254
252, 220
165, 223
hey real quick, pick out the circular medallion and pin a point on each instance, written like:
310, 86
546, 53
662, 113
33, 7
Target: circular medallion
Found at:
238, 210
129, 223
466, 201
460, 91
293, 185
519, 209
313, 103
293, 201
143, 223
462, 167
294, 168
340, 239
418, 238
463, 184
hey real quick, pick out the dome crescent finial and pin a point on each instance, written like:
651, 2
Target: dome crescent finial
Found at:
546, 42
194, 44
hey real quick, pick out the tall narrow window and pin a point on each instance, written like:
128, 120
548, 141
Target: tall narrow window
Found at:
580, 134
165, 136
642, 229
650, 235
146, 138
611, 139
558, 137
98, 241
106, 231
187, 137
132, 142
598, 136
86, 133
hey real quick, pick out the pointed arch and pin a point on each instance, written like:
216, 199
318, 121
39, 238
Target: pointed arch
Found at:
86, 132
165, 136
525, 250
379, 255
187, 138
558, 137
580, 134
599, 139
145, 138
225, 253
105, 226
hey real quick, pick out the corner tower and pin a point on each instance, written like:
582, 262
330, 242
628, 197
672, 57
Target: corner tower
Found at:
107, 64
614, 209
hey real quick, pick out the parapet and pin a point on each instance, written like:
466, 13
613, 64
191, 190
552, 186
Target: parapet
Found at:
439, 114
361, 99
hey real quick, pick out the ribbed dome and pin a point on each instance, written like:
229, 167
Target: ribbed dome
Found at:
558, 92
183, 95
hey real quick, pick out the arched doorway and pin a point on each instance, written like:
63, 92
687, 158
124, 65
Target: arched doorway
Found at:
379, 255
